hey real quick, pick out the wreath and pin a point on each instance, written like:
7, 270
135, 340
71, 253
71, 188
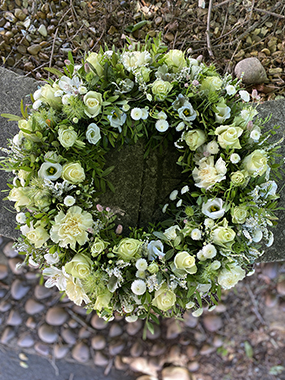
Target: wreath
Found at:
218, 221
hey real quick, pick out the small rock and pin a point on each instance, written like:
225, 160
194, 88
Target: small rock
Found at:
7, 335
33, 307
116, 347
80, 353
42, 30
14, 318
98, 323
251, 71
134, 327
31, 324
212, 322
34, 49
56, 316
41, 292
218, 341
115, 330
157, 349
174, 355
3, 271
136, 349
174, 329
42, 349
19, 289
60, 351
271, 300
281, 287
191, 351
9, 251
100, 359
68, 336
47, 334
169, 37
10, 17
189, 320
175, 373
158, 20
20, 14
2, 293
142, 365
13, 265
84, 333
220, 308
270, 270
72, 323
32, 276
28, 66
156, 333
119, 364
206, 350
193, 366
25, 341
275, 70
98, 342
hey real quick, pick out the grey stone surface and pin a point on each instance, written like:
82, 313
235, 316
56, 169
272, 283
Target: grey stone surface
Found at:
251, 71
141, 185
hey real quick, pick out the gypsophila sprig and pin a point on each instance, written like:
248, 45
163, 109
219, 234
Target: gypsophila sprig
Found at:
219, 218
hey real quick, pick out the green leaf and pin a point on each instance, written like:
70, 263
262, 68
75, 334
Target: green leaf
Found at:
169, 254
199, 299
111, 187
160, 235
107, 171
154, 318
276, 370
54, 71
248, 350
11, 117
150, 327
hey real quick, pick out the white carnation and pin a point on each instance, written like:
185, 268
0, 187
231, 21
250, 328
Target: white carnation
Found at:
141, 264
138, 287
235, 158
69, 201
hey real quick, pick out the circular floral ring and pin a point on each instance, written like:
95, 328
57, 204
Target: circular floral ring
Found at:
218, 218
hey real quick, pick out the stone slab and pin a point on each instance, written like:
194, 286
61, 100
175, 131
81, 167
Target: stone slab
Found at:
141, 185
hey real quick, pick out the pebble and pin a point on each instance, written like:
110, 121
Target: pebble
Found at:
157, 349
175, 373
84, 333
42, 30
218, 341
100, 359
271, 299
270, 270
193, 366
72, 323
116, 347
212, 322
98, 323
25, 341
156, 333
31, 324
21, 49
2, 293
191, 351
41, 292
56, 316
137, 349
169, 37
251, 71
115, 330
281, 287
47, 334
80, 353
33, 307
10, 17
7, 335
174, 354
174, 329
68, 336
98, 342
42, 349
119, 364
79, 310
34, 49
32, 276
20, 14
189, 320
19, 289
3, 271
134, 327
5, 306
60, 351
9, 251
14, 318
13, 265
206, 350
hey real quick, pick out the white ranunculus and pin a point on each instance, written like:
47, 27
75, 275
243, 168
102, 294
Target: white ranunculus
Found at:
161, 125
229, 278
209, 251
213, 208
141, 264
93, 134
136, 113
171, 232
235, 158
138, 287
93, 101
161, 115
255, 135
155, 249
49, 170
209, 223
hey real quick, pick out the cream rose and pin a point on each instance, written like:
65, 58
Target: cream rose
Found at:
239, 214
223, 235
73, 172
175, 60
164, 298
103, 300
67, 137
256, 163
80, 266
20, 196
47, 95
93, 101
186, 262
211, 84
161, 89
229, 278
71, 228
228, 136
239, 178
95, 60
37, 236
194, 138
128, 249
98, 246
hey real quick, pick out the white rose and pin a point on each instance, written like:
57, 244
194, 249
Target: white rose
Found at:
93, 134
175, 60
256, 163
194, 138
67, 137
223, 235
229, 278
93, 101
37, 236
95, 60
73, 172
161, 89
228, 136
170, 232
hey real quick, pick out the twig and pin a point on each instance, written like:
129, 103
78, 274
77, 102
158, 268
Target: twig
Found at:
251, 9
208, 30
93, 47
80, 320
52, 50
223, 3
255, 305
269, 13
